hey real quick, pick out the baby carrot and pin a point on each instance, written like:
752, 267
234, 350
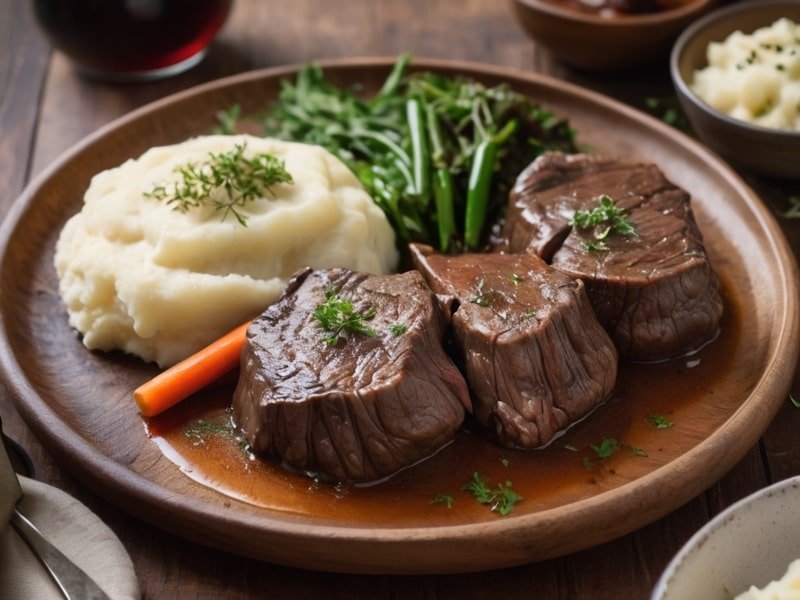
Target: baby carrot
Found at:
191, 374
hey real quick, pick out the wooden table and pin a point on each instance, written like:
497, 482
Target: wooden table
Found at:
45, 107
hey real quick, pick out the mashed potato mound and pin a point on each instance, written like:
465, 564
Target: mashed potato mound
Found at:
161, 284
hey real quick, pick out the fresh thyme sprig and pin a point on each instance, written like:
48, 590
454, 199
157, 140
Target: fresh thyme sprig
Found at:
607, 213
336, 316
228, 180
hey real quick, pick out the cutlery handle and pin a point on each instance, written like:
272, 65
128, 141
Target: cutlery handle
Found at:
70, 579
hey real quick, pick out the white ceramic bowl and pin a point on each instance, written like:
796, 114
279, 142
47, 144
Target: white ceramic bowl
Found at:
752, 542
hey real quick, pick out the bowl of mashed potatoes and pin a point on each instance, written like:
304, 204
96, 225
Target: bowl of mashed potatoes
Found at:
750, 551
737, 76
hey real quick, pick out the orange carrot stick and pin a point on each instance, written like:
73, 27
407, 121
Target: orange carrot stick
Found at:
191, 374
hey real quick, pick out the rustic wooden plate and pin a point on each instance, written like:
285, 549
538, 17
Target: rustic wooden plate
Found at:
78, 403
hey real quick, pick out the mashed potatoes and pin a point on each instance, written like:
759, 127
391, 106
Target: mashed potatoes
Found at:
755, 78
786, 588
158, 283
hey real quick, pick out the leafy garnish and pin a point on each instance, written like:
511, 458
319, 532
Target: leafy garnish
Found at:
398, 329
501, 499
659, 422
227, 119
445, 499
336, 316
516, 278
638, 452
592, 247
478, 297
228, 180
606, 448
202, 430
607, 213
793, 212
795, 402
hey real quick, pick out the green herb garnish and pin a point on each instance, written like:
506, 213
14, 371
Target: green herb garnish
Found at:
398, 329
795, 402
336, 316
227, 180
606, 448
515, 278
638, 452
415, 144
793, 212
606, 218
587, 463
478, 297
227, 119
445, 499
202, 430
659, 422
501, 499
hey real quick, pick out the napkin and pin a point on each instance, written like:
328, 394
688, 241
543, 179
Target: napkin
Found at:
74, 530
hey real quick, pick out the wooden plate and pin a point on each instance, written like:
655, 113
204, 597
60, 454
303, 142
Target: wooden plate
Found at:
78, 403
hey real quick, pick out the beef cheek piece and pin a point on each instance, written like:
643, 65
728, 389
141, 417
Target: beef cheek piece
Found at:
355, 405
655, 292
535, 357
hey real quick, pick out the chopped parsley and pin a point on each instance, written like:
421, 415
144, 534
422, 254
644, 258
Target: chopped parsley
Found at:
659, 422
201, 430
337, 317
478, 297
638, 452
606, 219
398, 329
515, 278
445, 499
793, 211
227, 180
501, 499
606, 448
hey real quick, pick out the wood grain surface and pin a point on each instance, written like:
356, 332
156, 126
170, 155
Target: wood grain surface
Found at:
45, 108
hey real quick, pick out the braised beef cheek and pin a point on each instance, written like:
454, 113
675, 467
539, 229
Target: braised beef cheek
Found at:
359, 409
655, 292
533, 353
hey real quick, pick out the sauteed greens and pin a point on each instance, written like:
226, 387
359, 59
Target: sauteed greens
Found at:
437, 153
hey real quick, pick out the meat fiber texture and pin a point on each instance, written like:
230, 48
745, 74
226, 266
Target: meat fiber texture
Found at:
656, 292
135, 274
363, 408
534, 355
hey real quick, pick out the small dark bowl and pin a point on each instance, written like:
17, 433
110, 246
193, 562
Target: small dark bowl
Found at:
593, 42
766, 151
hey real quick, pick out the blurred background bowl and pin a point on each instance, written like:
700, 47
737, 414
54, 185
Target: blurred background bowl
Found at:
752, 542
596, 42
766, 151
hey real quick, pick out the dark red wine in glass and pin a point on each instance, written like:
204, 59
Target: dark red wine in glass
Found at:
132, 39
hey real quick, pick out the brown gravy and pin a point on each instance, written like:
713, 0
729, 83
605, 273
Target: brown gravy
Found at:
197, 437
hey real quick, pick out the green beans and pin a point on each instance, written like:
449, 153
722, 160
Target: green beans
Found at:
420, 155
480, 181
443, 192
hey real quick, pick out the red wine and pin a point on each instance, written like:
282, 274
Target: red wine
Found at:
131, 36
